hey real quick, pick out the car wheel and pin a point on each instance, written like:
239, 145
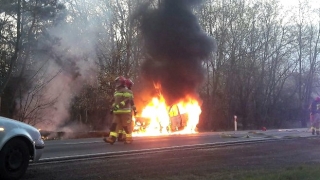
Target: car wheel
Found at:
14, 159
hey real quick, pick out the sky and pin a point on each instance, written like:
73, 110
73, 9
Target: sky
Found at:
289, 3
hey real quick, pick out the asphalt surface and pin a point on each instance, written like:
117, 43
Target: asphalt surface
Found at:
96, 147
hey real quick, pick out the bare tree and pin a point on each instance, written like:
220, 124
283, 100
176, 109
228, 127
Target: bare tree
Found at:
28, 21
10, 43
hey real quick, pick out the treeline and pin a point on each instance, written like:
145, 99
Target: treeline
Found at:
58, 60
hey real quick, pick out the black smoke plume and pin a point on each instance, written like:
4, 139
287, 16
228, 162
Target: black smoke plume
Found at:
176, 46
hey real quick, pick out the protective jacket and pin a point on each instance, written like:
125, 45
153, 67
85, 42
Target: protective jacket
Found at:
122, 101
315, 107
315, 116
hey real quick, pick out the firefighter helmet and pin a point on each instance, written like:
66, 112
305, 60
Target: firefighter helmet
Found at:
129, 83
120, 81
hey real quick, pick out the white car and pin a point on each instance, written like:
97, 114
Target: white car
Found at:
19, 144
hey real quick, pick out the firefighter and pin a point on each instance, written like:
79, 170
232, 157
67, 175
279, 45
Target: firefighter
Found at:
315, 116
122, 133
121, 109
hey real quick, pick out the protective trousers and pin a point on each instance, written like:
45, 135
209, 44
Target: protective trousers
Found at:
125, 123
114, 130
121, 121
121, 133
315, 123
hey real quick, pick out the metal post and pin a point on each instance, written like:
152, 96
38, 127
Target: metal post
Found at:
235, 123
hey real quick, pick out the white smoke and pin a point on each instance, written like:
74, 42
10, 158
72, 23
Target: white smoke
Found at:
75, 59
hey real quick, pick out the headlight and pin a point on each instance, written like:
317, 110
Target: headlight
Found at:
1, 129
36, 136
38, 143
39, 137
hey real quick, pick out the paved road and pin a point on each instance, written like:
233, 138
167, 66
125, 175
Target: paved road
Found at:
93, 147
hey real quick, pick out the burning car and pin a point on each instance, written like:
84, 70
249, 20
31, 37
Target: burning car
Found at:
158, 118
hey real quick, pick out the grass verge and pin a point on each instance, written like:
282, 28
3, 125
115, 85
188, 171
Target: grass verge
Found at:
306, 172
292, 173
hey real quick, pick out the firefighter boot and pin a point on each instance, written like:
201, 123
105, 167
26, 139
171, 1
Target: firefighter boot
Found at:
128, 135
128, 139
313, 131
122, 137
317, 132
111, 140
127, 142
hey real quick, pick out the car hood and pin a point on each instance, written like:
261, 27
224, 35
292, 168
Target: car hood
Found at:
10, 125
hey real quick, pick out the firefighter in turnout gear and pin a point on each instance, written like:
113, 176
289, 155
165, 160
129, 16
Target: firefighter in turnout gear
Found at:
122, 133
315, 116
121, 109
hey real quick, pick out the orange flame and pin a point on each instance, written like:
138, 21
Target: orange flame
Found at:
157, 118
